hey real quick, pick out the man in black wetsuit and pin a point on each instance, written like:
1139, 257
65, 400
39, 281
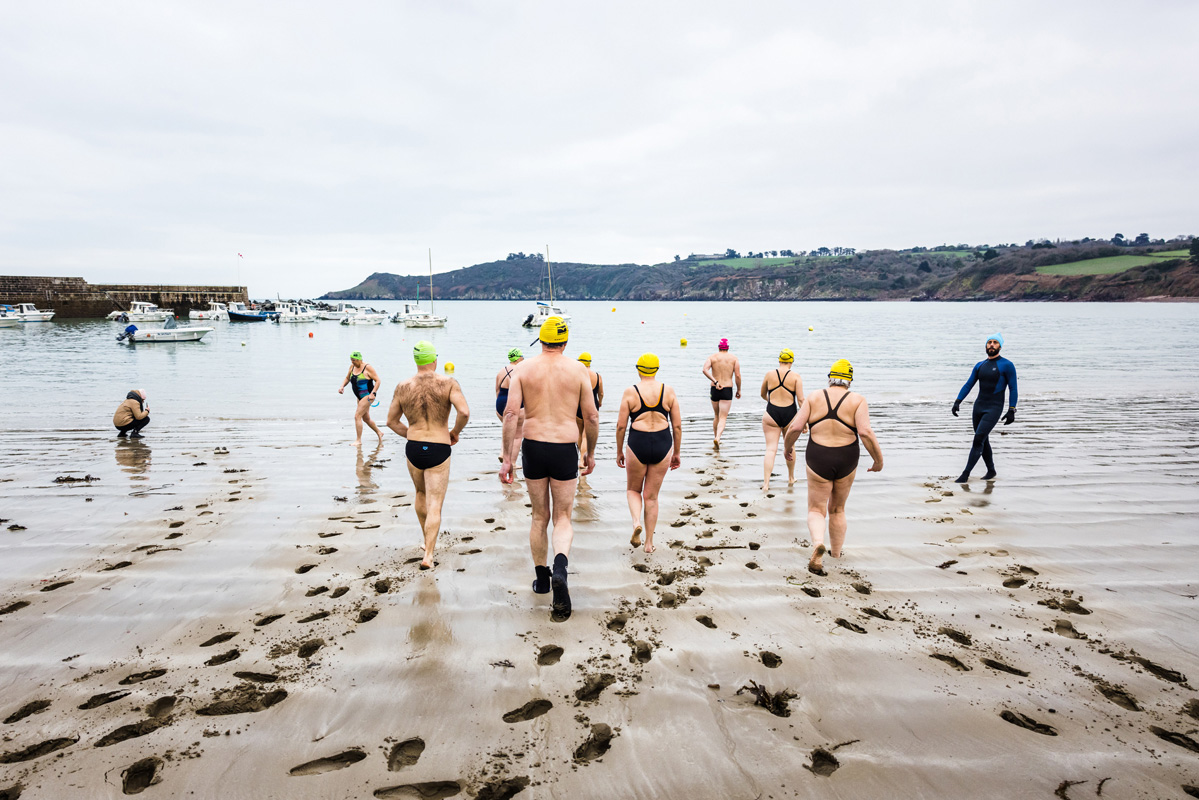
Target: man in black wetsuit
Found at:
993, 374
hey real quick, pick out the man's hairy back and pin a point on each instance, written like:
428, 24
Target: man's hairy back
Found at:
425, 398
551, 388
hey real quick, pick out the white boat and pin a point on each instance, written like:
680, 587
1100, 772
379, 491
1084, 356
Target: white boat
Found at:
9, 320
545, 310
27, 312
165, 334
295, 312
409, 310
142, 312
217, 312
365, 316
419, 318
342, 311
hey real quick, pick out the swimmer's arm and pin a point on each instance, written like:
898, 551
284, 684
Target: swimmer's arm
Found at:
622, 422
349, 372
374, 376
458, 399
1009, 370
708, 372
497, 381
737, 374
765, 394
970, 383
798, 385
861, 419
394, 412
511, 416
676, 422
797, 425
590, 415
599, 386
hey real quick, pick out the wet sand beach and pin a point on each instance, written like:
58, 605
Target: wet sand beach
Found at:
253, 623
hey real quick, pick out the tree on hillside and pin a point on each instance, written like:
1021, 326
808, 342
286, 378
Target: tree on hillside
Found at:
1118, 240
924, 267
731, 253
1195, 250
676, 257
1142, 240
991, 253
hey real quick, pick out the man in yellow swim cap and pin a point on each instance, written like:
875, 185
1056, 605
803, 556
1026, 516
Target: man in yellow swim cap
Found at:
425, 399
551, 387
597, 390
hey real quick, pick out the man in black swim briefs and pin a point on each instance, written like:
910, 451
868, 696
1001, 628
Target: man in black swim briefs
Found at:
722, 369
425, 399
551, 387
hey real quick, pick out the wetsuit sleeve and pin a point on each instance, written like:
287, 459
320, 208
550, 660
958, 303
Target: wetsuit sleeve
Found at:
1009, 373
970, 383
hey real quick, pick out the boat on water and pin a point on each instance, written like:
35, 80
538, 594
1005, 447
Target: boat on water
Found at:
365, 316
140, 311
295, 312
170, 332
28, 312
239, 313
421, 319
409, 310
339, 313
9, 318
544, 309
217, 312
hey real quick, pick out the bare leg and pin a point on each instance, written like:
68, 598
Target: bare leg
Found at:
837, 524
715, 423
635, 478
818, 494
582, 441
431, 485
362, 408
366, 417
772, 433
653, 482
722, 416
539, 496
563, 493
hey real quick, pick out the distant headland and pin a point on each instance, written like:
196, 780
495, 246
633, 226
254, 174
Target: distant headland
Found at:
1115, 269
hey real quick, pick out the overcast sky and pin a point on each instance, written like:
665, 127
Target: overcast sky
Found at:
153, 142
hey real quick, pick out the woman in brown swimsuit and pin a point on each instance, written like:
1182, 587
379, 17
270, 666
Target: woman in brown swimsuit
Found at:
836, 418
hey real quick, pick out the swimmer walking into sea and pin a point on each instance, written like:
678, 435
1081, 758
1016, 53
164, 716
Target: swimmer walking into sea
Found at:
597, 391
780, 389
722, 369
650, 442
993, 375
425, 399
551, 387
365, 385
832, 456
502, 379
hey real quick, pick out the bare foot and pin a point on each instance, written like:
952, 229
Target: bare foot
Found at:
427, 562
814, 565
649, 546
766, 486
636, 540
716, 443
791, 481
357, 443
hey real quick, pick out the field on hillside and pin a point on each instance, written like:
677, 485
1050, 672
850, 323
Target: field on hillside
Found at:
1102, 266
746, 263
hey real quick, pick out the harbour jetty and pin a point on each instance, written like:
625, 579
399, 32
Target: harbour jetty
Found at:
75, 297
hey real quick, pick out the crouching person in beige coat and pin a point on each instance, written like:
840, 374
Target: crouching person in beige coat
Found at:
132, 415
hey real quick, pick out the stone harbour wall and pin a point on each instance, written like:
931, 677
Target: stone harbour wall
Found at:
75, 297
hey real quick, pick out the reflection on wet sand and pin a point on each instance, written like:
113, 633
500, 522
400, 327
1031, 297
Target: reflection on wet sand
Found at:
366, 483
429, 626
133, 457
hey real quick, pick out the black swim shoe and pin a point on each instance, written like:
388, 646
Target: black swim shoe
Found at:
135, 435
990, 476
963, 478
121, 435
561, 604
542, 583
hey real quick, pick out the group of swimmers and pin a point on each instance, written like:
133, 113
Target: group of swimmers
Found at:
549, 406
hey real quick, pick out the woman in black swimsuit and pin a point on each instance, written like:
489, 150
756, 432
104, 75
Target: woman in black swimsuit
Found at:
503, 379
836, 419
780, 388
597, 392
650, 410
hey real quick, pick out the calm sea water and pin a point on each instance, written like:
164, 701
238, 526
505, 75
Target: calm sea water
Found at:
71, 374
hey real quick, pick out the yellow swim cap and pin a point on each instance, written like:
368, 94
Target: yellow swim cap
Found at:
554, 331
648, 364
787, 355
585, 358
842, 369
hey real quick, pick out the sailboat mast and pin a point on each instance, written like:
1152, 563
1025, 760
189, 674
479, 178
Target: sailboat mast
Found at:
550, 272
430, 281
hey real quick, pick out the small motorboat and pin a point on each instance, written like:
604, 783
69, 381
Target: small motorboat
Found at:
365, 316
9, 318
410, 310
339, 313
544, 311
239, 313
28, 312
217, 312
295, 312
170, 332
423, 320
141, 312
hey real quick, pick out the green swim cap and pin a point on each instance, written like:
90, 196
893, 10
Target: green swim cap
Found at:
515, 353
424, 353
356, 355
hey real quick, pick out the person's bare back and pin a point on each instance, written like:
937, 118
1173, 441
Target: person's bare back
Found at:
722, 366
552, 388
425, 400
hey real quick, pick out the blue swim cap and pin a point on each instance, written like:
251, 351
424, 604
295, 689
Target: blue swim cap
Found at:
997, 337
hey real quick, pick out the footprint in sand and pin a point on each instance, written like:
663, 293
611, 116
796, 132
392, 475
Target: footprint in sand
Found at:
771, 660
959, 637
844, 623
118, 565
17, 606
314, 617
823, 763
549, 655
36, 751
56, 585
300, 570
405, 754
1118, 696
308, 649
102, 699
268, 619
530, 710
1180, 739
243, 701
1024, 721
593, 686
256, 677
642, 652
134, 731
314, 591
861, 588
1064, 627
951, 661
811, 591
383, 585
161, 707
1014, 582
706, 621
874, 612
596, 744
432, 790
223, 658
339, 591
141, 775
139, 677
219, 638
618, 622
999, 666
27, 710
328, 764
367, 614
1165, 673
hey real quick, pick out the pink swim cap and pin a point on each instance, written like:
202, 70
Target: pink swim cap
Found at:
724, 345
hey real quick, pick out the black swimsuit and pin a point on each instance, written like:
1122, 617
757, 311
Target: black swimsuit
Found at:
833, 463
557, 461
594, 393
501, 397
649, 447
782, 415
426, 455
